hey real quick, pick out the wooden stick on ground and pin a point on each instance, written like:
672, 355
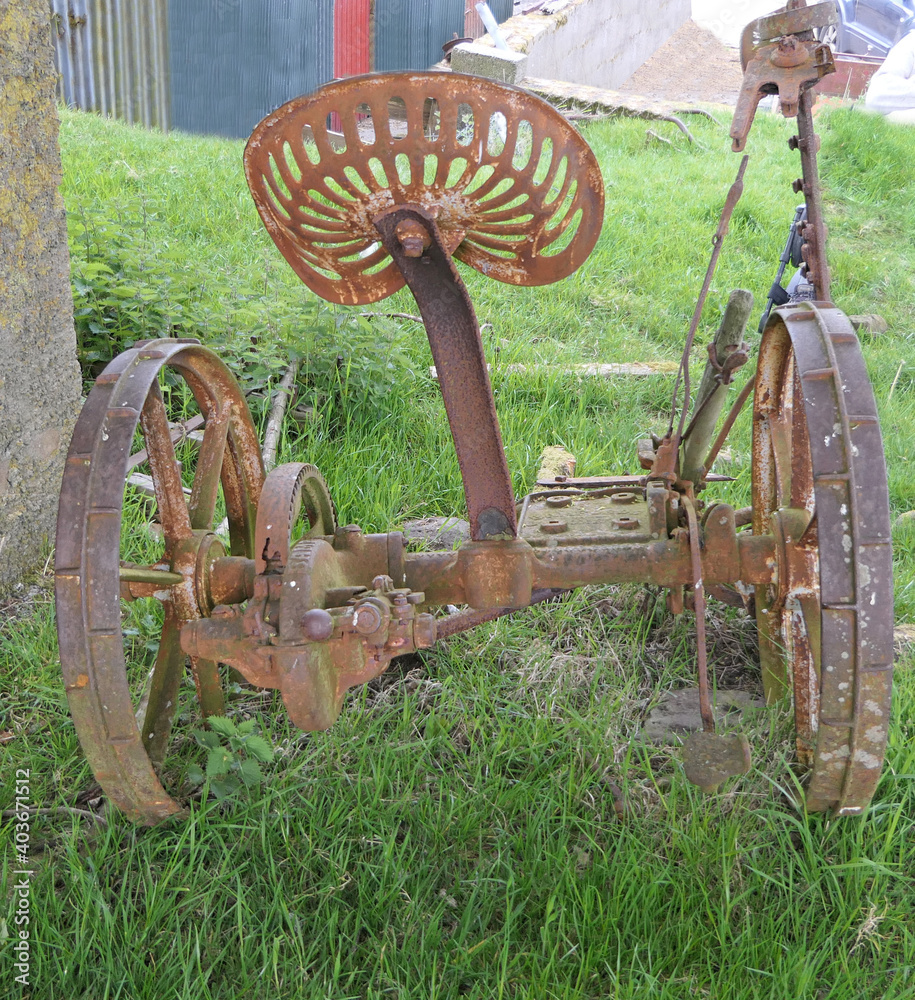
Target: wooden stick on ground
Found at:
372, 315
588, 370
277, 412
56, 811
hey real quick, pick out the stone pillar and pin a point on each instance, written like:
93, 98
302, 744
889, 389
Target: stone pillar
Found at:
39, 375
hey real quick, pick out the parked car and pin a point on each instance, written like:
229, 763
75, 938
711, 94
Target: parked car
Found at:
869, 27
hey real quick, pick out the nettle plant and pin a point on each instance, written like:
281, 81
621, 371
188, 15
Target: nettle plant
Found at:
234, 756
133, 279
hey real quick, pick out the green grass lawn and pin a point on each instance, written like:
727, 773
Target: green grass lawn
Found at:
456, 833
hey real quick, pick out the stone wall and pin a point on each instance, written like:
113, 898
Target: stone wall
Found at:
600, 43
39, 376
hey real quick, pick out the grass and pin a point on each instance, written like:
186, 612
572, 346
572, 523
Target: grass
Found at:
456, 833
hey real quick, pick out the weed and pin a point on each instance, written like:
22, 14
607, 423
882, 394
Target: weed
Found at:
234, 756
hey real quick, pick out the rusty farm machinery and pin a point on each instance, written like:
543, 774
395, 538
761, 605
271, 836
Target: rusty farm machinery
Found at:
396, 203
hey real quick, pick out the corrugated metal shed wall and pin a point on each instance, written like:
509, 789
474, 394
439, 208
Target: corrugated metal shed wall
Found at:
219, 66
409, 34
234, 61
113, 57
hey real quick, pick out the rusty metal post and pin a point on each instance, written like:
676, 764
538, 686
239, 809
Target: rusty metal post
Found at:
457, 349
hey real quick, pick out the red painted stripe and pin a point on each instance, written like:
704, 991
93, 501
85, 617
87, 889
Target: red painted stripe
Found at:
352, 37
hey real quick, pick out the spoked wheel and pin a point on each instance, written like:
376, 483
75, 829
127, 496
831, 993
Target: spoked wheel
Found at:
819, 486
829, 35
126, 741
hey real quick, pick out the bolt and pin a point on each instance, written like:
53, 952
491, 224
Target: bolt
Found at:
383, 583
366, 619
623, 498
798, 186
794, 141
626, 523
558, 501
317, 624
554, 527
413, 237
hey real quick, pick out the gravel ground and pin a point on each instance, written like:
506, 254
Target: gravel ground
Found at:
692, 66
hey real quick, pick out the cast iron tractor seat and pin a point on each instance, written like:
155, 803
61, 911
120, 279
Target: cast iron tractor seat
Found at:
430, 167
512, 188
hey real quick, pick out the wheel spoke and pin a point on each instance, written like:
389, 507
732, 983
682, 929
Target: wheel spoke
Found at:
800, 495
209, 467
803, 635
163, 468
209, 686
162, 702
772, 661
780, 432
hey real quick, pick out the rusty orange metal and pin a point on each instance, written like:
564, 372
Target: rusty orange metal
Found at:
514, 189
88, 575
434, 169
418, 248
819, 489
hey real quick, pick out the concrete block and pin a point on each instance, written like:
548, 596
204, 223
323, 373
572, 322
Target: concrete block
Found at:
488, 61
597, 43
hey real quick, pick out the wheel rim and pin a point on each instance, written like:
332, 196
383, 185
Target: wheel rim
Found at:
123, 753
830, 35
819, 485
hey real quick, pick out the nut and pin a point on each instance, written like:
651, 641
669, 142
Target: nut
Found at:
366, 619
413, 237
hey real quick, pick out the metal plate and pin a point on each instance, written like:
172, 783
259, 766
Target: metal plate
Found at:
589, 517
514, 189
